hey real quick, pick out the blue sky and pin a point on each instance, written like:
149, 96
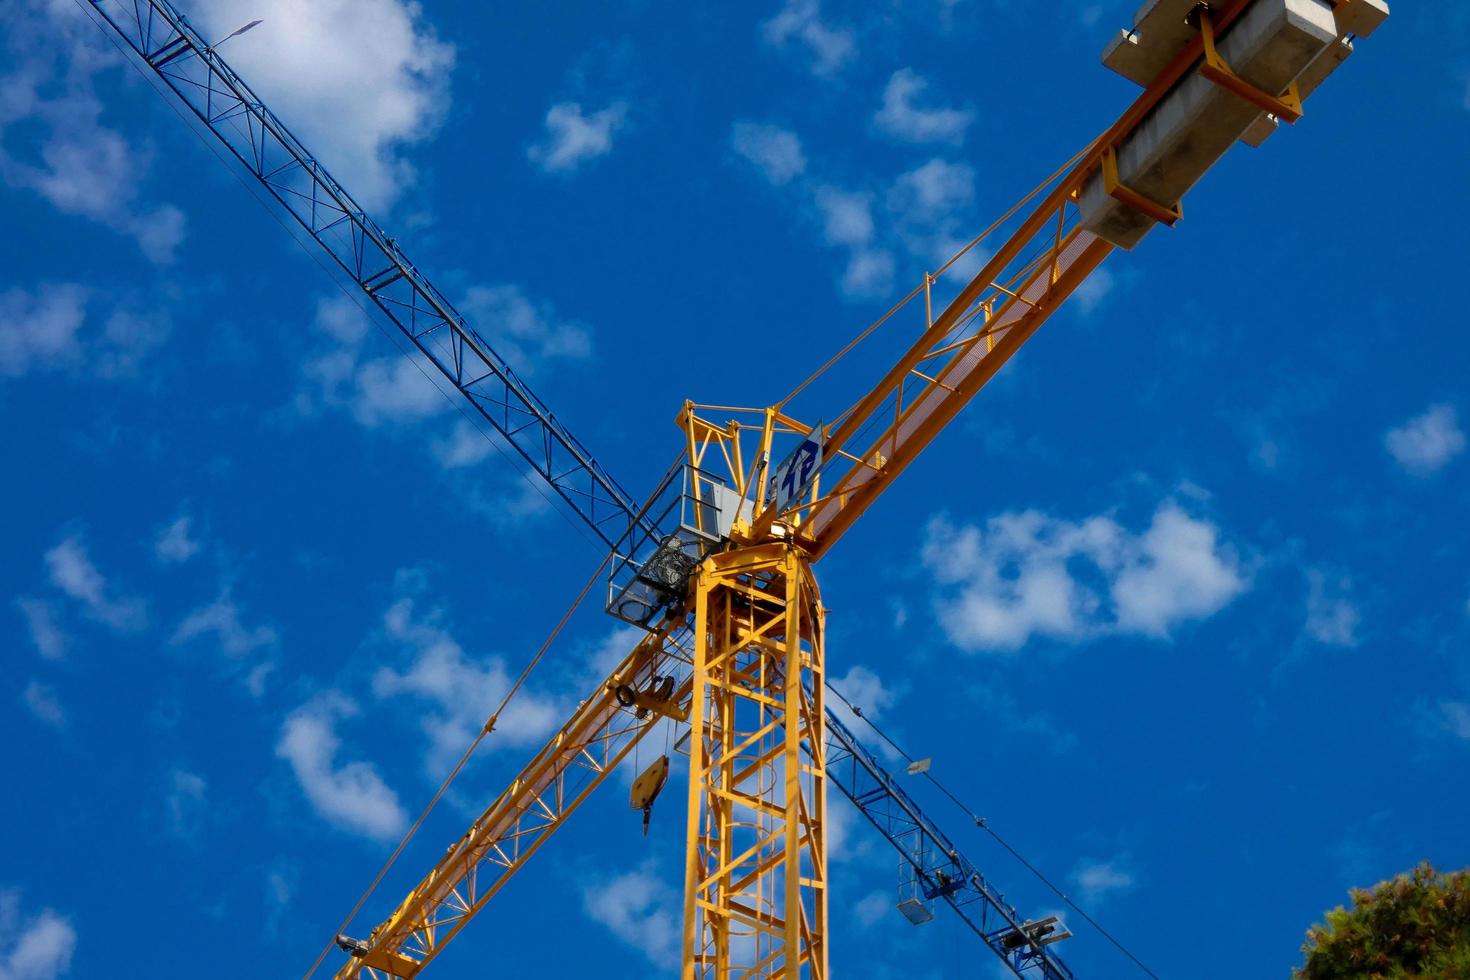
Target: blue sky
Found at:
1181, 603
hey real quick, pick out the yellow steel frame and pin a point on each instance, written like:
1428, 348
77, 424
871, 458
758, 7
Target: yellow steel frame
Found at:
1286, 107
547, 791
751, 672
756, 871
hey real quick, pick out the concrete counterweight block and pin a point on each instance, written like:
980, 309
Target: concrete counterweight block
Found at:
1269, 46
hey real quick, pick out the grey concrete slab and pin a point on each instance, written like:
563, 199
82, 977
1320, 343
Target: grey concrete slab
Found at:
1361, 17
1271, 44
1310, 80
1160, 31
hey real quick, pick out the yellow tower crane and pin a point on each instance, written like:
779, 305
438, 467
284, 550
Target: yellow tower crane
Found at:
717, 565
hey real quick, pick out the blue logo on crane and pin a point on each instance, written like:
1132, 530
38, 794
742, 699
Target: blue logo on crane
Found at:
796, 474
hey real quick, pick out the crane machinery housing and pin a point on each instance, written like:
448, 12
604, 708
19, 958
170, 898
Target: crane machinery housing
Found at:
717, 564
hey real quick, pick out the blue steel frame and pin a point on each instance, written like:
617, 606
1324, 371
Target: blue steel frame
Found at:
942, 871
165, 41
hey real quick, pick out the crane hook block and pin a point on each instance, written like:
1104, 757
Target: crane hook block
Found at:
647, 787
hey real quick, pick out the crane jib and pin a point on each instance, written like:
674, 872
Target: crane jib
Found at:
220, 99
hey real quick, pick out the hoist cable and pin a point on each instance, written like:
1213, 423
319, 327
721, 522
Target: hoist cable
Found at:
454, 773
984, 825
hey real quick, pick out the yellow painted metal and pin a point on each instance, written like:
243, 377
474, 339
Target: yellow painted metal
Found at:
564, 773
749, 646
1287, 107
756, 858
1170, 215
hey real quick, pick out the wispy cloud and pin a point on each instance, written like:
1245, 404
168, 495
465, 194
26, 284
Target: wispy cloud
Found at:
360, 81
39, 330
1098, 880
44, 627
33, 947
246, 651
351, 796
396, 389
1332, 617
455, 691
907, 224
1425, 443
71, 570
775, 152
42, 702
49, 328
902, 117
829, 48
1027, 574
641, 909
574, 137
176, 543
69, 158
186, 804
1456, 718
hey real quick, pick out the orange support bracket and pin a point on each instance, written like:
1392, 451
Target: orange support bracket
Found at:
1286, 107
1120, 191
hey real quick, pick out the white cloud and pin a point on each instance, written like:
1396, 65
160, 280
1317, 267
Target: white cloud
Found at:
1425, 443
403, 390
82, 168
872, 907
932, 192
351, 796
220, 620
847, 222
396, 390
909, 224
847, 216
33, 947
461, 690
774, 151
901, 116
1093, 291
39, 330
43, 330
1332, 618
72, 571
42, 702
60, 150
175, 544
1096, 880
829, 47
359, 81
466, 445
44, 629
248, 652
527, 333
185, 804
640, 909
869, 274
573, 137
1027, 574
1456, 718
127, 337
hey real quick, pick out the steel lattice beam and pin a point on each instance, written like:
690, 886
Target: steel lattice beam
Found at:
938, 864
374, 260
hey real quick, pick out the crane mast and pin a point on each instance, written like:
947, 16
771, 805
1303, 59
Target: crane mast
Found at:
718, 565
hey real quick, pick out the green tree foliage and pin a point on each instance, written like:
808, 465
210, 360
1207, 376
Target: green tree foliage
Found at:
1415, 927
